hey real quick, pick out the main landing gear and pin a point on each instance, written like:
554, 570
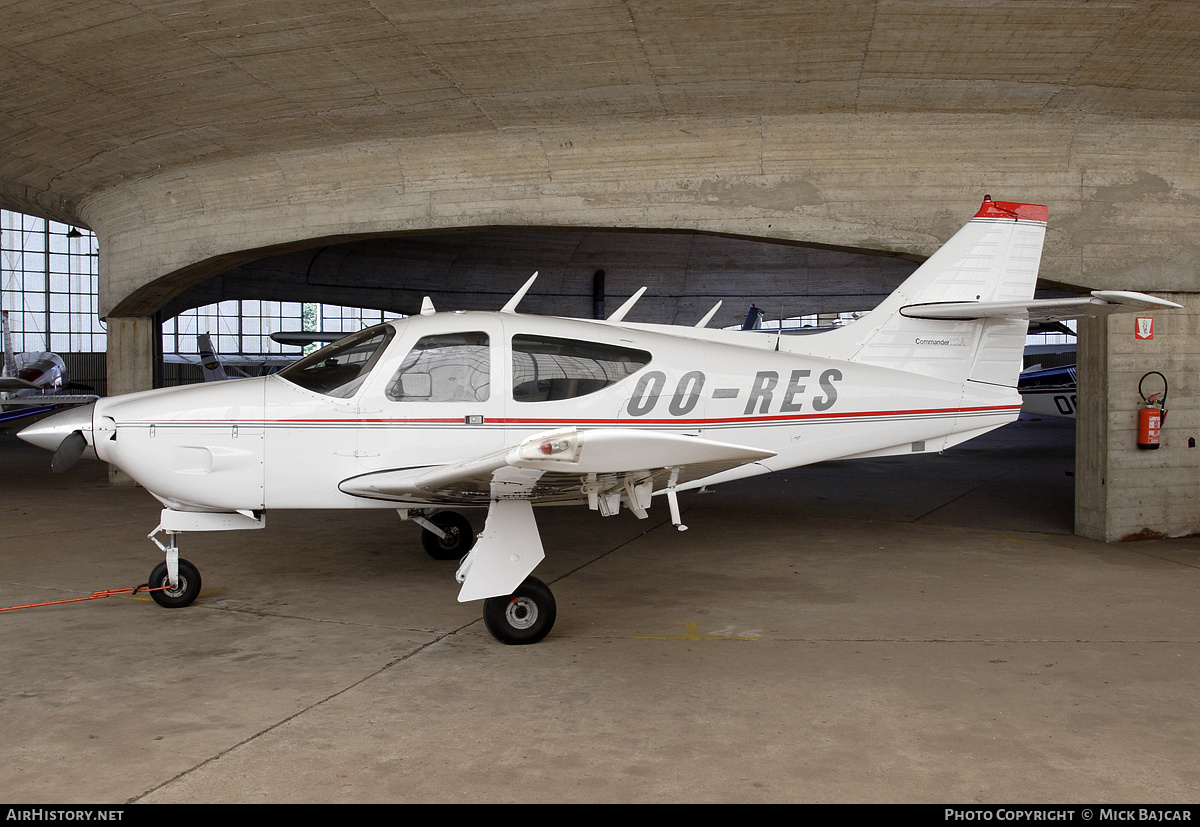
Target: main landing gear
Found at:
517, 609
446, 535
525, 616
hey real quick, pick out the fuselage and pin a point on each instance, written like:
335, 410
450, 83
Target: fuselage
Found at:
1050, 392
438, 389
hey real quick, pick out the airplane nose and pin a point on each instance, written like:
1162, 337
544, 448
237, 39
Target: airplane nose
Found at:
50, 432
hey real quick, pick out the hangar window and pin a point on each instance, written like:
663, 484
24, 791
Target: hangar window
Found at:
453, 367
340, 368
546, 368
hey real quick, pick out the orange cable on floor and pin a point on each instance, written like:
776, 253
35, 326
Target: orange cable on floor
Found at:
94, 596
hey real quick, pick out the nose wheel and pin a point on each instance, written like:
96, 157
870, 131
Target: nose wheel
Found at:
523, 617
187, 585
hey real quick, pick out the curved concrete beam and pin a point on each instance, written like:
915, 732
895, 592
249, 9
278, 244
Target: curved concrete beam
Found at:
1119, 193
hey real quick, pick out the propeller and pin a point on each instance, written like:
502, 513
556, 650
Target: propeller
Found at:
69, 451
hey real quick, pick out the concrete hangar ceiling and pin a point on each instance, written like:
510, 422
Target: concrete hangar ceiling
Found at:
196, 137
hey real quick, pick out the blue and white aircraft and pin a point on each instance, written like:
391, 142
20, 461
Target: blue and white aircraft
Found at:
33, 383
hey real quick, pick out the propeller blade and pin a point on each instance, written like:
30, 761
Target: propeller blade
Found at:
69, 451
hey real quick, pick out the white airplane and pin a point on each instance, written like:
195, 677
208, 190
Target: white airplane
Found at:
443, 411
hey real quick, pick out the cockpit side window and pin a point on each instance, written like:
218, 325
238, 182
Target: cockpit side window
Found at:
339, 369
453, 367
546, 368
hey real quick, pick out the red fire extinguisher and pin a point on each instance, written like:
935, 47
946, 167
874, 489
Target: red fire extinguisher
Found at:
1152, 414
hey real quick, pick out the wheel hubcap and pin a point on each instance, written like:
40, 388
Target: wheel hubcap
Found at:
521, 613
178, 590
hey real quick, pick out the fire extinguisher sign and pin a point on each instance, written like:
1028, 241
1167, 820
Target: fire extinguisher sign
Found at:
1145, 328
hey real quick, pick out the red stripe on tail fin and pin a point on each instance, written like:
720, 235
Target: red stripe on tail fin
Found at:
1009, 209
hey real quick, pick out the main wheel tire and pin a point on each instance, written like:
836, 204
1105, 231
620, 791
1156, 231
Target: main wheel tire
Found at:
459, 536
523, 617
185, 591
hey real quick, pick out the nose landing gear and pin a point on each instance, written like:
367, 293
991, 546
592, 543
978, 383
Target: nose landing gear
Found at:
183, 593
180, 590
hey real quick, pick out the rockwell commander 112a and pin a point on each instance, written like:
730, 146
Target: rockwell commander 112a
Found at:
445, 411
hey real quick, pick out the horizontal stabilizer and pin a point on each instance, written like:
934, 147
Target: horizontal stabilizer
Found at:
1099, 303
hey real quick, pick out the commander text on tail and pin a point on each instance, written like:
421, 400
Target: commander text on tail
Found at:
506, 411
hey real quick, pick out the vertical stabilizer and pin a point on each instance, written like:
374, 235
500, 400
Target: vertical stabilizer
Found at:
994, 258
210, 363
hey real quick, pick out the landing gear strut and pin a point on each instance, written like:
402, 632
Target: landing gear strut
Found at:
187, 576
523, 617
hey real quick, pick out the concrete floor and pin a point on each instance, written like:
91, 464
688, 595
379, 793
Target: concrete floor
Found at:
923, 630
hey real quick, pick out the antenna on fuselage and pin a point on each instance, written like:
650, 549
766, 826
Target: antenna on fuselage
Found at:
625, 308
708, 316
427, 307
511, 306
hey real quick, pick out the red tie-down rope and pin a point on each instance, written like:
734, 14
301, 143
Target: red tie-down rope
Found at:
94, 596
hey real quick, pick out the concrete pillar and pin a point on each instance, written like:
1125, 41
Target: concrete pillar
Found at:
130, 364
1121, 491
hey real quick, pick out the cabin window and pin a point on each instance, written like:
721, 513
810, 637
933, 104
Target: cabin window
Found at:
546, 368
338, 369
453, 367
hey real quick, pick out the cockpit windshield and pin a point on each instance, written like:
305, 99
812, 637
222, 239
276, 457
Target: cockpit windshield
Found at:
339, 369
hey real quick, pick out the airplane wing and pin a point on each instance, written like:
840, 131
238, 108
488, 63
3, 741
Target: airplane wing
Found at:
43, 400
1099, 303
300, 338
15, 383
17, 410
607, 467
567, 465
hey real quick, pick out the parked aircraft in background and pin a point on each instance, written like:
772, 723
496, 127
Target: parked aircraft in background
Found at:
210, 363
215, 368
33, 383
302, 338
505, 411
1049, 392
